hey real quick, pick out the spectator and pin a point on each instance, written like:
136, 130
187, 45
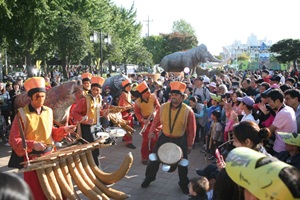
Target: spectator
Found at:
275, 79
200, 90
3, 131
198, 187
215, 133
262, 87
5, 103
13, 187
265, 75
291, 155
290, 81
13, 94
292, 99
226, 189
247, 89
201, 117
188, 91
246, 106
277, 180
285, 119
210, 172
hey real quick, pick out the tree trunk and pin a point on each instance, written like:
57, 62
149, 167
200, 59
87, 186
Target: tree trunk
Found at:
64, 67
295, 64
28, 63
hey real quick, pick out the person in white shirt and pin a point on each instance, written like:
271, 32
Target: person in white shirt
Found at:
246, 106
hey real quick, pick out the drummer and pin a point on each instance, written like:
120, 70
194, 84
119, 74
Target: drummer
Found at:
87, 112
36, 121
124, 101
178, 126
144, 109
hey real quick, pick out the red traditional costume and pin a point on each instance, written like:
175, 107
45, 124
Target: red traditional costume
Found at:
36, 128
143, 110
178, 127
87, 109
125, 101
84, 77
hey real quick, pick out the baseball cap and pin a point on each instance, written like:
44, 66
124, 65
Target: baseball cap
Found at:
199, 78
247, 100
194, 76
275, 78
266, 71
209, 172
259, 81
213, 84
216, 97
206, 79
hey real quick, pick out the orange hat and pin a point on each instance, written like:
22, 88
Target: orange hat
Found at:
178, 87
34, 84
126, 82
97, 81
142, 87
86, 76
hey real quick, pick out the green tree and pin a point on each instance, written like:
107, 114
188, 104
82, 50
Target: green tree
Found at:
288, 50
178, 42
72, 39
127, 33
155, 45
183, 27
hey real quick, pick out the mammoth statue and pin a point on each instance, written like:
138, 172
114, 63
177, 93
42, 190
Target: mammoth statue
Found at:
177, 61
115, 84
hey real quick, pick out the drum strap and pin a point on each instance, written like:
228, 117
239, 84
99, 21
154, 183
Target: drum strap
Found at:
171, 126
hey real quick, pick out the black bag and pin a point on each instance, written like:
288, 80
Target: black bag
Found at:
15, 160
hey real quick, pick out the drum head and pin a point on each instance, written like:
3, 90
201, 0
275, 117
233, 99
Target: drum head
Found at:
169, 153
116, 131
102, 136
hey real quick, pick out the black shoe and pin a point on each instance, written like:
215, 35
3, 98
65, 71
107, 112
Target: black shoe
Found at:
184, 189
145, 162
146, 183
131, 146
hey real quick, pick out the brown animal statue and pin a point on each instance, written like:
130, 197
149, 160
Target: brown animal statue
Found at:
177, 61
59, 98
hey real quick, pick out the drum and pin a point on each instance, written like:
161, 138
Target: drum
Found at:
169, 153
116, 131
101, 136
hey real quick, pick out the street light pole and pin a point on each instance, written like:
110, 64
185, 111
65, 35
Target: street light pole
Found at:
101, 53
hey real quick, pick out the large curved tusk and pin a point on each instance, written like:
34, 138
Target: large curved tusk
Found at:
225, 61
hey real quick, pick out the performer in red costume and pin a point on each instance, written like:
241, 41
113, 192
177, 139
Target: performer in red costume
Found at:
178, 127
36, 121
125, 101
145, 109
87, 112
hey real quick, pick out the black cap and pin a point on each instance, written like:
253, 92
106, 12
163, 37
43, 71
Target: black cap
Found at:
209, 172
259, 81
275, 78
266, 71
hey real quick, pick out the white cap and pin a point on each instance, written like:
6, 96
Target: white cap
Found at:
206, 79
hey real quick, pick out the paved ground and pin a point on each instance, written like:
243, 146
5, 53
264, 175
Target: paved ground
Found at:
163, 188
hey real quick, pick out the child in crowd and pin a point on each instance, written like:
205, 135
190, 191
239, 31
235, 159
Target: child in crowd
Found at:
198, 187
216, 135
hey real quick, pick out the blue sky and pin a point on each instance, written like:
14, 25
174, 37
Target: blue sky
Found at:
219, 23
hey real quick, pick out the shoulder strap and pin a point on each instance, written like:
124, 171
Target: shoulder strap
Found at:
204, 92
